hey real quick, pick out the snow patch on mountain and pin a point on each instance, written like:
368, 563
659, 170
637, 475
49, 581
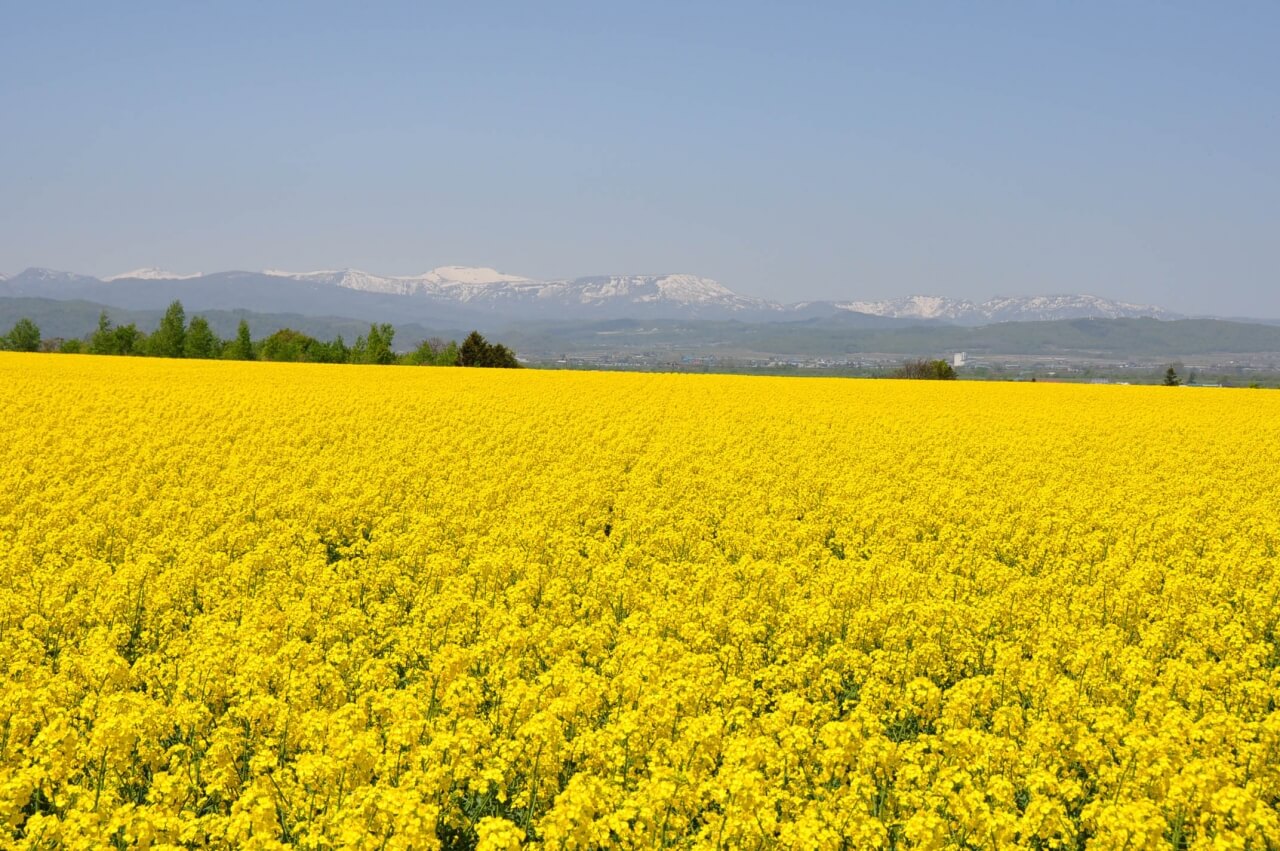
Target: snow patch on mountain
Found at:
483, 285
441, 278
911, 307
470, 275
1005, 308
352, 279
150, 273
650, 289
40, 275
673, 296
1068, 307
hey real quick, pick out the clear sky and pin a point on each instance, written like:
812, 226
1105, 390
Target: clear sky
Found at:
791, 151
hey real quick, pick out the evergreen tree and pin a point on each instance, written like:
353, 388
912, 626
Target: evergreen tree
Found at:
1171, 377
375, 348
103, 340
169, 339
126, 340
241, 347
474, 350
501, 357
115, 340
477, 351
24, 337
380, 337
200, 342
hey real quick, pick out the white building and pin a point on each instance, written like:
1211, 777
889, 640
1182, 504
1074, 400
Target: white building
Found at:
957, 359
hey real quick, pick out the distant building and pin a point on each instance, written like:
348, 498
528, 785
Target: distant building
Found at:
957, 359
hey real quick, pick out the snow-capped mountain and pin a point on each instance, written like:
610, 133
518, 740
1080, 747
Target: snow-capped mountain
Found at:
150, 273
457, 280
912, 307
1005, 309
466, 294
39, 275
487, 288
652, 289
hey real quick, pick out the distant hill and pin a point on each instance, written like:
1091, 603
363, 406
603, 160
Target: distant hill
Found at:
479, 296
1007, 309
838, 336
1112, 338
228, 291
835, 335
79, 318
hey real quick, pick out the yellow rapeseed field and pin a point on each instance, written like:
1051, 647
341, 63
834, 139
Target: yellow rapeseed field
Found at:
262, 605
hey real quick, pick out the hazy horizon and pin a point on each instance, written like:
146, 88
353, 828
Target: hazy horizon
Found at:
180, 275
791, 154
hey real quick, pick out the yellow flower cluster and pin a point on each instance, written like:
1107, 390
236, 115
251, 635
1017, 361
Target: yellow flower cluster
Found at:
265, 605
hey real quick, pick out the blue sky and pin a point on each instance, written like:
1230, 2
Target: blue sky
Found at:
792, 151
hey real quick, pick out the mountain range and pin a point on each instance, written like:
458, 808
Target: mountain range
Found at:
482, 296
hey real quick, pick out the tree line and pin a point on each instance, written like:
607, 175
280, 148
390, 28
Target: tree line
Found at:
175, 337
929, 370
